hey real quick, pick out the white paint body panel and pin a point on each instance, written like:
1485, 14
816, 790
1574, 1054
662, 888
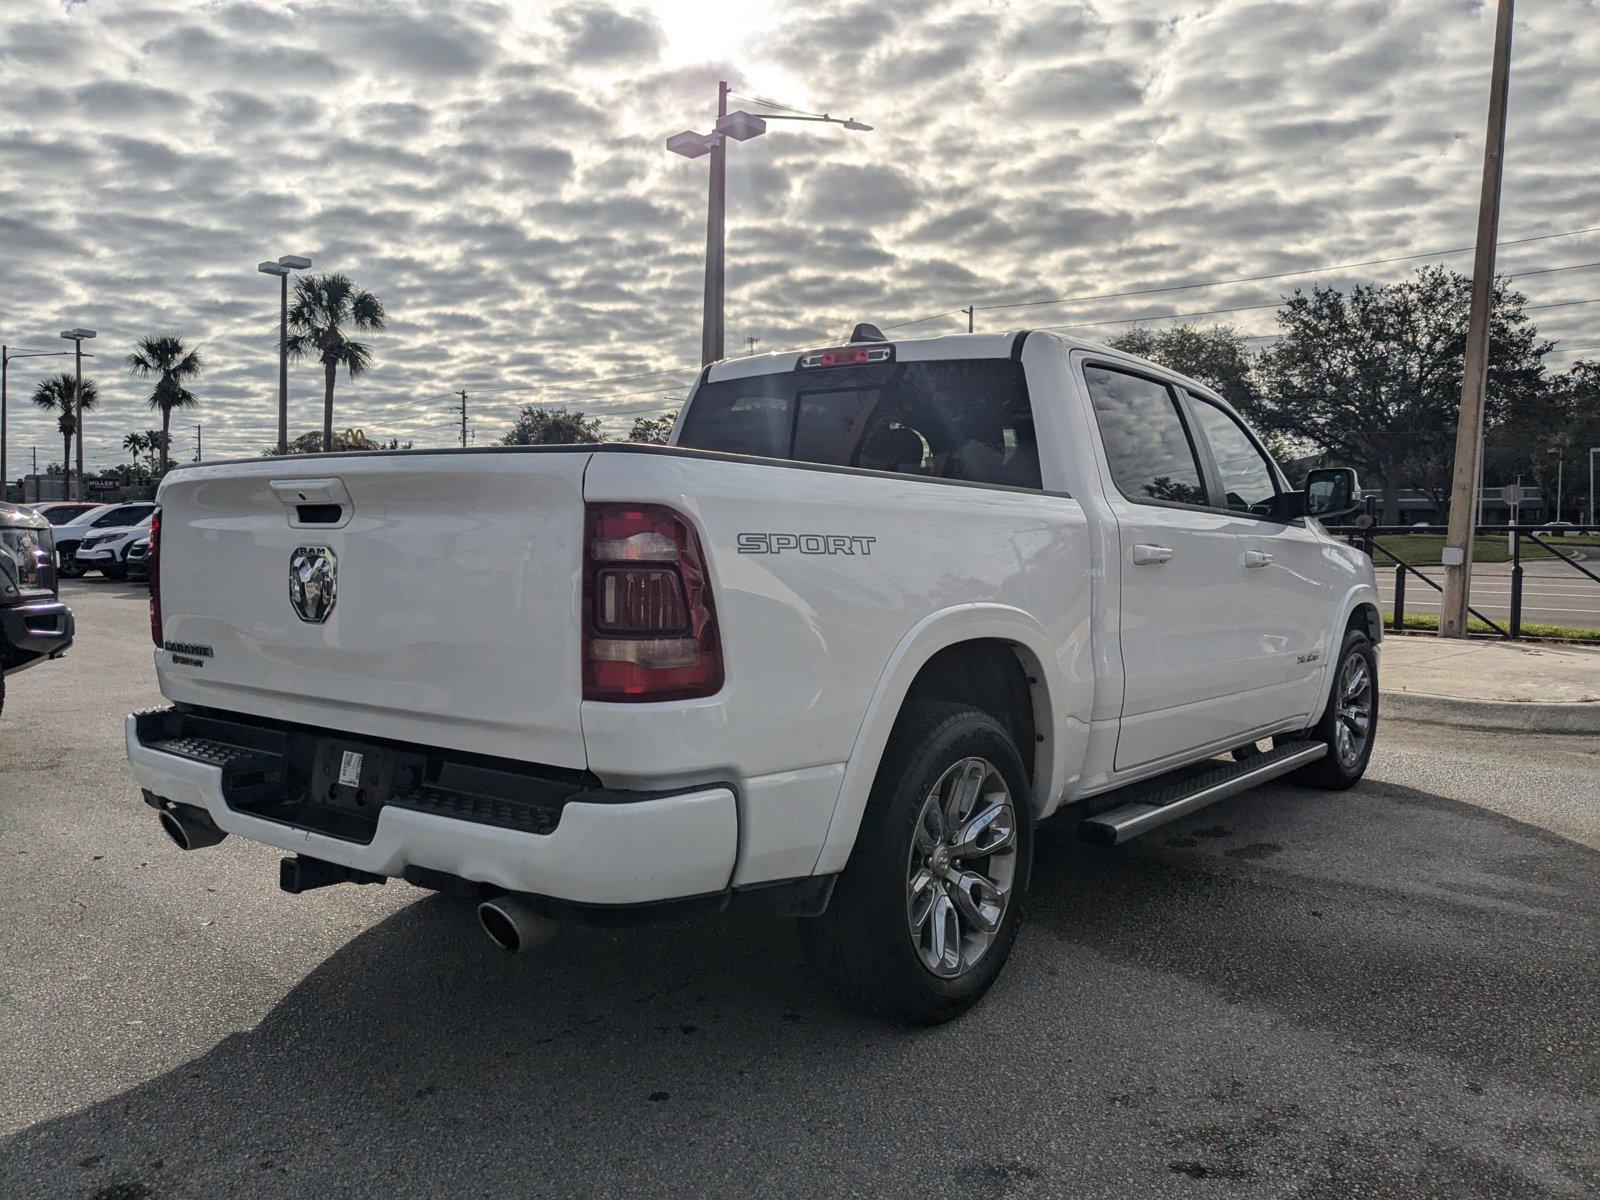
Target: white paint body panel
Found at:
458, 614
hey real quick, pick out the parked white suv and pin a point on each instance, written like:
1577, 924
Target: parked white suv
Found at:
106, 550
875, 613
98, 520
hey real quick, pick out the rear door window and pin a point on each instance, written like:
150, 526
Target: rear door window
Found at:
966, 419
1147, 443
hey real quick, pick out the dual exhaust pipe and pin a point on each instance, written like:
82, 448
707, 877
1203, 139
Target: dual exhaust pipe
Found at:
510, 921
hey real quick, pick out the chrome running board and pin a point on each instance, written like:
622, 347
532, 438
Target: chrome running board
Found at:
1154, 802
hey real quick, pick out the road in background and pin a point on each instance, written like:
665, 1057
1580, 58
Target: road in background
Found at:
1552, 592
1386, 992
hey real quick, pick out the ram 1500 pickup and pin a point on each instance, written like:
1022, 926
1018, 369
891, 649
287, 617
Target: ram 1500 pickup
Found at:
874, 613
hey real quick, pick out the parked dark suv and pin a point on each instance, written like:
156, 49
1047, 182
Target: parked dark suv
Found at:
34, 624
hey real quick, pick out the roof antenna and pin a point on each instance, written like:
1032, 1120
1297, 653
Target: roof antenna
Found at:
867, 333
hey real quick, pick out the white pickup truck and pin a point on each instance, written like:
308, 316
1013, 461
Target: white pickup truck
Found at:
874, 613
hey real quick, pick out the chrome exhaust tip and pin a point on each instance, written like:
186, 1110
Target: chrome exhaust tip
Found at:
513, 926
190, 828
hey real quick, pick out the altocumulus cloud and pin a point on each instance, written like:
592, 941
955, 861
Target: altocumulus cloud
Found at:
495, 171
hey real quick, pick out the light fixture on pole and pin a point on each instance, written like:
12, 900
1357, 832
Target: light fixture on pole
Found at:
281, 268
7, 353
740, 126
77, 338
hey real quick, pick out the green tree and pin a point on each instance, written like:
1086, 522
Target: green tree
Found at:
135, 444
172, 362
323, 306
156, 443
653, 429
59, 394
537, 425
1216, 355
1373, 376
344, 441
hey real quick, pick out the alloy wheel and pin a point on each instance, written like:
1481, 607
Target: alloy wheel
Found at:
1353, 725
961, 867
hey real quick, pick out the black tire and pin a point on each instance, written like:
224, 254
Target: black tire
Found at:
864, 944
114, 571
1337, 770
70, 569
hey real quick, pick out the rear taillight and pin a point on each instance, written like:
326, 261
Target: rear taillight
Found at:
155, 579
649, 623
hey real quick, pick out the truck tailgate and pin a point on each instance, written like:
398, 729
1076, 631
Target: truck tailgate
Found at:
454, 617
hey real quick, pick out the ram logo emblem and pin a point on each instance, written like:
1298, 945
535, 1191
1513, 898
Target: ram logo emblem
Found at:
313, 582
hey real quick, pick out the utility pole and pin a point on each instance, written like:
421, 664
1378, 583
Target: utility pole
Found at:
199, 445
750, 343
463, 418
969, 309
1457, 554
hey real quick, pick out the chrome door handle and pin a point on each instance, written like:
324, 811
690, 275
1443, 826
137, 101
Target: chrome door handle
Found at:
1256, 558
1151, 556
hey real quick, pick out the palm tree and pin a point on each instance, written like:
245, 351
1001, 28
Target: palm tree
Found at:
322, 305
175, 362
135, 444
154, 441
56, 394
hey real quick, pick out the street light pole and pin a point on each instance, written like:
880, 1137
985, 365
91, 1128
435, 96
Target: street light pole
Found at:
1593, 450
716, 241
1457, 555
76, 337
741, 127
7, 353
281, 268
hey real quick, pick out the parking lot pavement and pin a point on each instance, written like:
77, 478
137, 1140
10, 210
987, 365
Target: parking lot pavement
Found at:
1386, 992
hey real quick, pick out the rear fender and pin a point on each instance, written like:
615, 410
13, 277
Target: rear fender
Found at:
1059, 734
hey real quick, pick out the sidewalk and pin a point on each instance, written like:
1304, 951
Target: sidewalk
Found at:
1491, 684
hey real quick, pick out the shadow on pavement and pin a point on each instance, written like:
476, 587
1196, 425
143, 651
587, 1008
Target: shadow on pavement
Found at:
701, 1059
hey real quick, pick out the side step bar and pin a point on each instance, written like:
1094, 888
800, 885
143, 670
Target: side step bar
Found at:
1153, 803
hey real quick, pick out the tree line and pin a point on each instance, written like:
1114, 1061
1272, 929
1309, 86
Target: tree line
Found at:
1371, 378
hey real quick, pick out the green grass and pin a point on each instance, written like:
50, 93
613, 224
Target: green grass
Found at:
1427, 623
1422, 549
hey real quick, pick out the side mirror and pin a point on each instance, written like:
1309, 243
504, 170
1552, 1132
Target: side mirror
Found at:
1332, 492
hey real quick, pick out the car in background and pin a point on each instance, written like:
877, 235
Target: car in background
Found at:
137, 560
100, 519
1561, 528
34, 624
59, 512
106, 551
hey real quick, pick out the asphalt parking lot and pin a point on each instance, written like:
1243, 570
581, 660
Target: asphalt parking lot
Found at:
1389, 992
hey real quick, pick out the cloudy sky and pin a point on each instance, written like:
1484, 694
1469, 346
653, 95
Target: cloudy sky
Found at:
495, 171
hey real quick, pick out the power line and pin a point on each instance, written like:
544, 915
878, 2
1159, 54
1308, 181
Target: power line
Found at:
1575, 349
1552, 270
1371, 262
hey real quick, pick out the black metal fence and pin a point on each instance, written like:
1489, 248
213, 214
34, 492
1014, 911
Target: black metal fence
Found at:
1554, 541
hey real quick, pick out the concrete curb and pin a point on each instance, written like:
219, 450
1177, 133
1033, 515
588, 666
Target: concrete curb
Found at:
1574, 717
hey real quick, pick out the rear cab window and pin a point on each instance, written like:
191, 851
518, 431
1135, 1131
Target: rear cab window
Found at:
955, 419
